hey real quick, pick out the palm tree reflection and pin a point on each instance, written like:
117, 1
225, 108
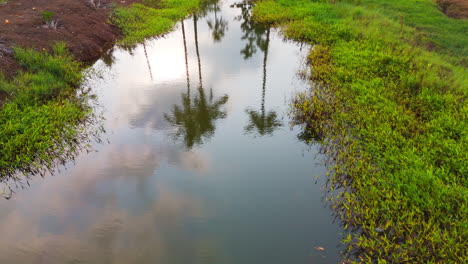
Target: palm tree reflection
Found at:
219, 26
186, 57
253, 33
257, 37
194, 120
262, 122
108, 57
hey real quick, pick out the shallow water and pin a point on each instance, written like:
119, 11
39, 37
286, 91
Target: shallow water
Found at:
201, 165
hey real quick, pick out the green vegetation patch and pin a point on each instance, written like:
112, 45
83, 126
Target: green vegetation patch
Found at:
141, 21
43, 119
391, 112
46, 75
448, 35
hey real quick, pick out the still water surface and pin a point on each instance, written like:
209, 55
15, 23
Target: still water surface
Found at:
201, 165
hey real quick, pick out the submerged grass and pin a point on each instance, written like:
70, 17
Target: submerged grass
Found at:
141, 21
389, 105
43, 119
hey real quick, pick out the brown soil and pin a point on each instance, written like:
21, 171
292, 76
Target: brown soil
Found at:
454, 8
86, 30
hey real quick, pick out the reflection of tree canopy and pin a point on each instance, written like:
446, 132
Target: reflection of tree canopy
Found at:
261, 122
254, 33
195, 119
220, 25
257, 36
108, 57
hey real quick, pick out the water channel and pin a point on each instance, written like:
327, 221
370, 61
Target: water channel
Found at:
200, 164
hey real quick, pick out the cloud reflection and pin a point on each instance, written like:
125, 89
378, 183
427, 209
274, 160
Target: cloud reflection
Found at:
111, 208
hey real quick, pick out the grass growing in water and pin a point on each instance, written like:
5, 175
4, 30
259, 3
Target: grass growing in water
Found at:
43, 120
141, 21
392, 115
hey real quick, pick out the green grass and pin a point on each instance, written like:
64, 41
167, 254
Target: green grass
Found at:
41, 122
391, 112
447, 34
152, 18
46, 75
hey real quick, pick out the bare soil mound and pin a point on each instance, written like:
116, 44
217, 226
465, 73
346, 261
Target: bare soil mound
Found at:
86, 29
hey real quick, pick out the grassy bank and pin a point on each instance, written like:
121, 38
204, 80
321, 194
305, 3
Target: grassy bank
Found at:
388, 104
41, 121
152, 18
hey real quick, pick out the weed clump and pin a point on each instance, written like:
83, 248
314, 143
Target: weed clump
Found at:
49, 19
47, 75
47, 16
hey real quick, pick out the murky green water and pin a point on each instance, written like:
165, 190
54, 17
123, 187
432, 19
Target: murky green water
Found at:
201, 165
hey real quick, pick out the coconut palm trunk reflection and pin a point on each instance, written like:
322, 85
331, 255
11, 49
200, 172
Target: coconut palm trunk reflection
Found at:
261, 122
194, 121
257, 36
186, 58
195, 29
147, 61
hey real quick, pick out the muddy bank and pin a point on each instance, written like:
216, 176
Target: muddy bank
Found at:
85, 28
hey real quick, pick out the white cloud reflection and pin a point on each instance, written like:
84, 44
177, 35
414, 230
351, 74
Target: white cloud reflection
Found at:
110, 208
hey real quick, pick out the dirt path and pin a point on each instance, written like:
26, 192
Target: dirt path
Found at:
85, 29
